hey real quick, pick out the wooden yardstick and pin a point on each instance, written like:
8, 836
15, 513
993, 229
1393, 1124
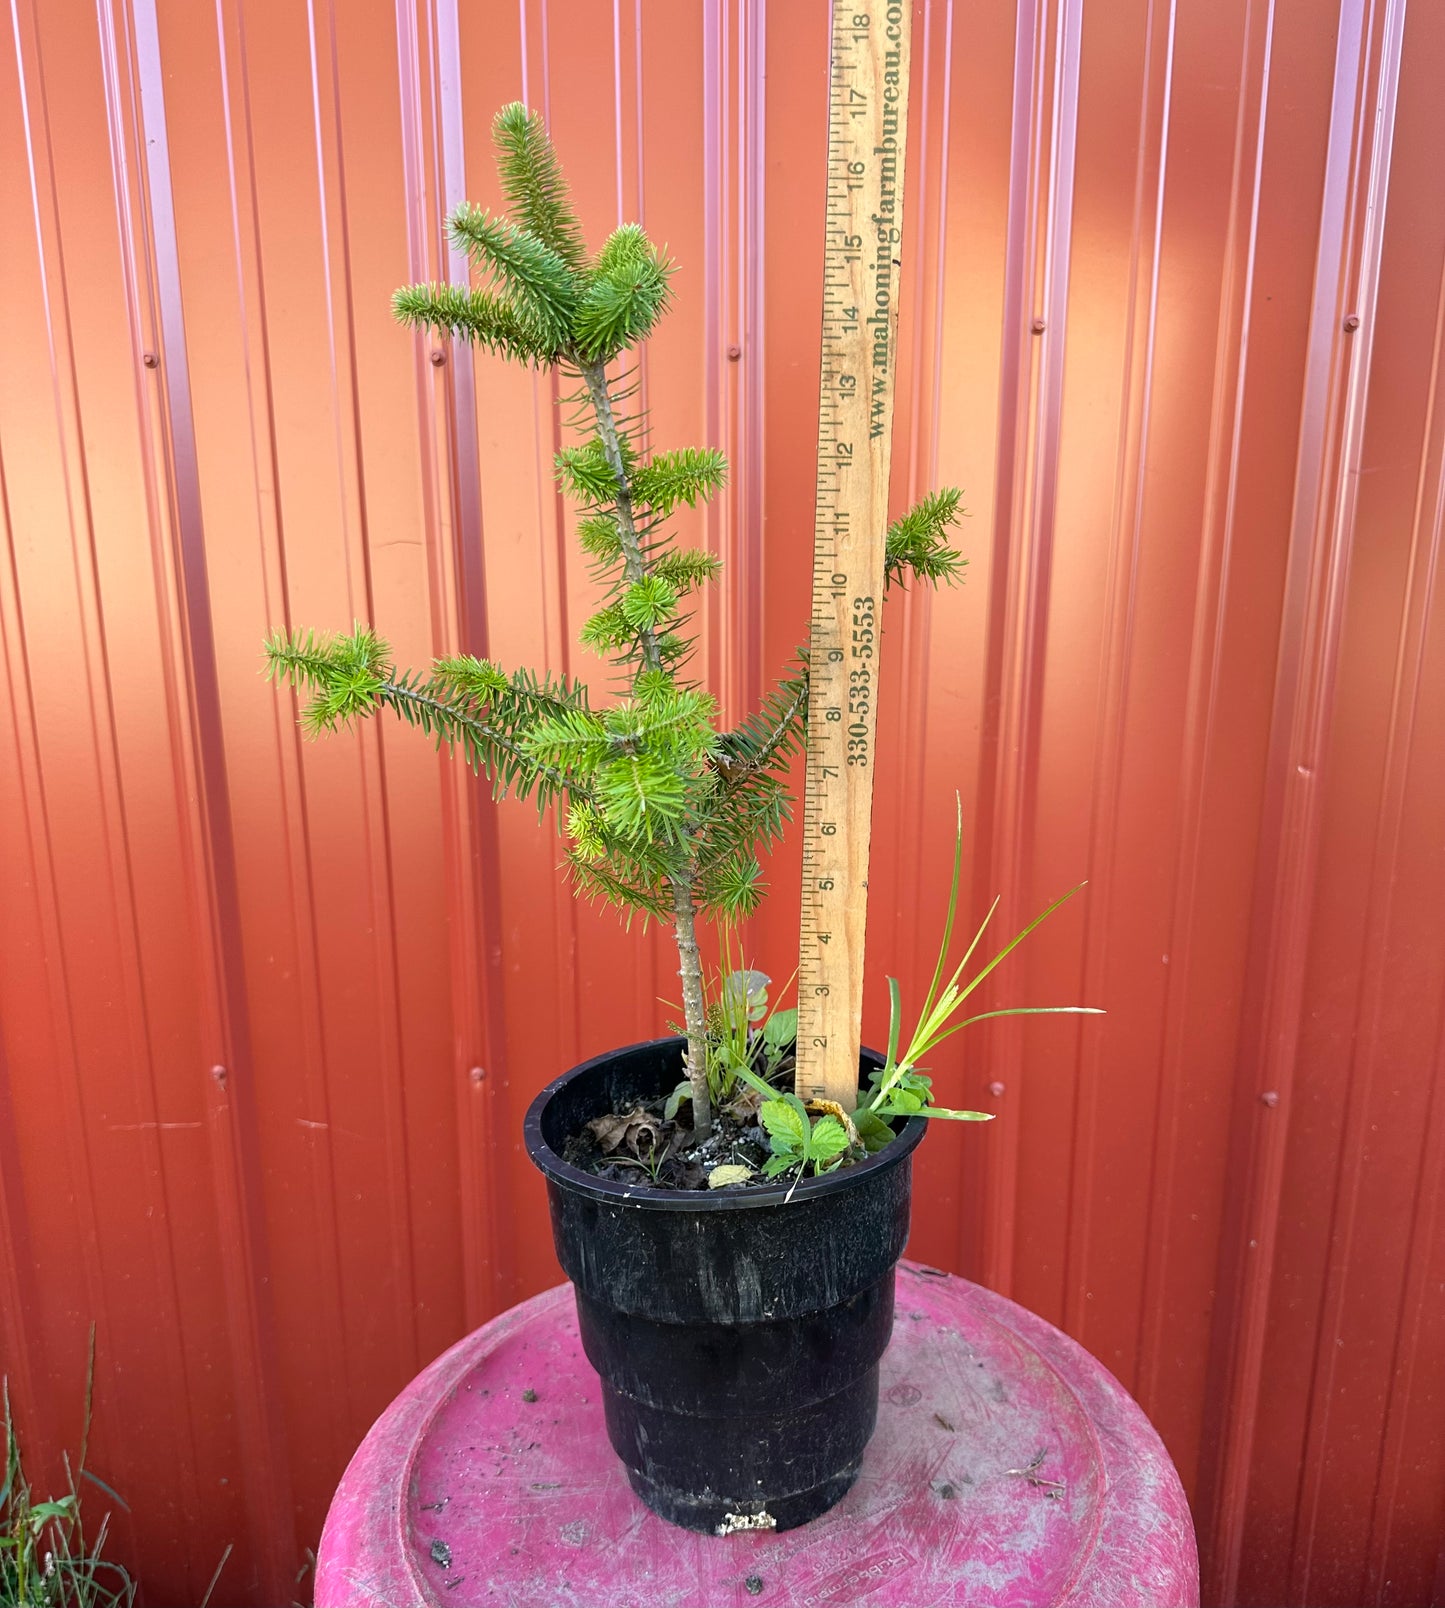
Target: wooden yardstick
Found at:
867, 133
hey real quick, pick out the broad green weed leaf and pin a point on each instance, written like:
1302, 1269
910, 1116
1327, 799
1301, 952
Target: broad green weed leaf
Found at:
787, 1126
745, 995
828, 1139
781, 1028
872, 1130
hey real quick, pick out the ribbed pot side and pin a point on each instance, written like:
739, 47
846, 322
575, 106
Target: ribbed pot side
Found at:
737, 1333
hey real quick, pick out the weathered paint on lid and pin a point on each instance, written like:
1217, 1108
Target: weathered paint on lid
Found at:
1009, 1467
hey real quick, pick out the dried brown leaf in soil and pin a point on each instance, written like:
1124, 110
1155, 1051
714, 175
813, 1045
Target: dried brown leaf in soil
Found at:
638, 1132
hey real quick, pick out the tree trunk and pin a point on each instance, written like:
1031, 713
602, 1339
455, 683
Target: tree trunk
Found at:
684, 909
694, 1010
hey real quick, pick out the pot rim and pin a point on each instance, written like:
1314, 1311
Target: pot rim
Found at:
704, 1200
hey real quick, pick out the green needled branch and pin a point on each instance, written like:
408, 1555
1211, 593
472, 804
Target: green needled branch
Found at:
665, 814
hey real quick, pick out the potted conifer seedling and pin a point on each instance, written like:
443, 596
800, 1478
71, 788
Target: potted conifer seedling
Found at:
732, 1249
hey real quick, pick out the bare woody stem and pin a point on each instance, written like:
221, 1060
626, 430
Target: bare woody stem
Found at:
684, 914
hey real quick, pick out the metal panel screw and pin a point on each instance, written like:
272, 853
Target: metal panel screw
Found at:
151, 360
1269, 1098
438, 358
1352, 323
734, 353
219, 1074
477, 1074
995, 1089
1038, 326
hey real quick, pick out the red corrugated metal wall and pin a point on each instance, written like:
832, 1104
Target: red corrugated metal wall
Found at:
271, 1012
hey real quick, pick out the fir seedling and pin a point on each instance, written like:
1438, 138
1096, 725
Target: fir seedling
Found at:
665, 813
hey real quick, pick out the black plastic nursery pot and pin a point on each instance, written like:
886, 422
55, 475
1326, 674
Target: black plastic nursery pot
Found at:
737, 1333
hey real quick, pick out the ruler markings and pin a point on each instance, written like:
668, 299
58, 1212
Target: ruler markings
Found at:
867, 124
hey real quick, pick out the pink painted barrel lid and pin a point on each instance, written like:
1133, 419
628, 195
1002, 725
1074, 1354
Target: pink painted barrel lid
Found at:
1008, 1468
